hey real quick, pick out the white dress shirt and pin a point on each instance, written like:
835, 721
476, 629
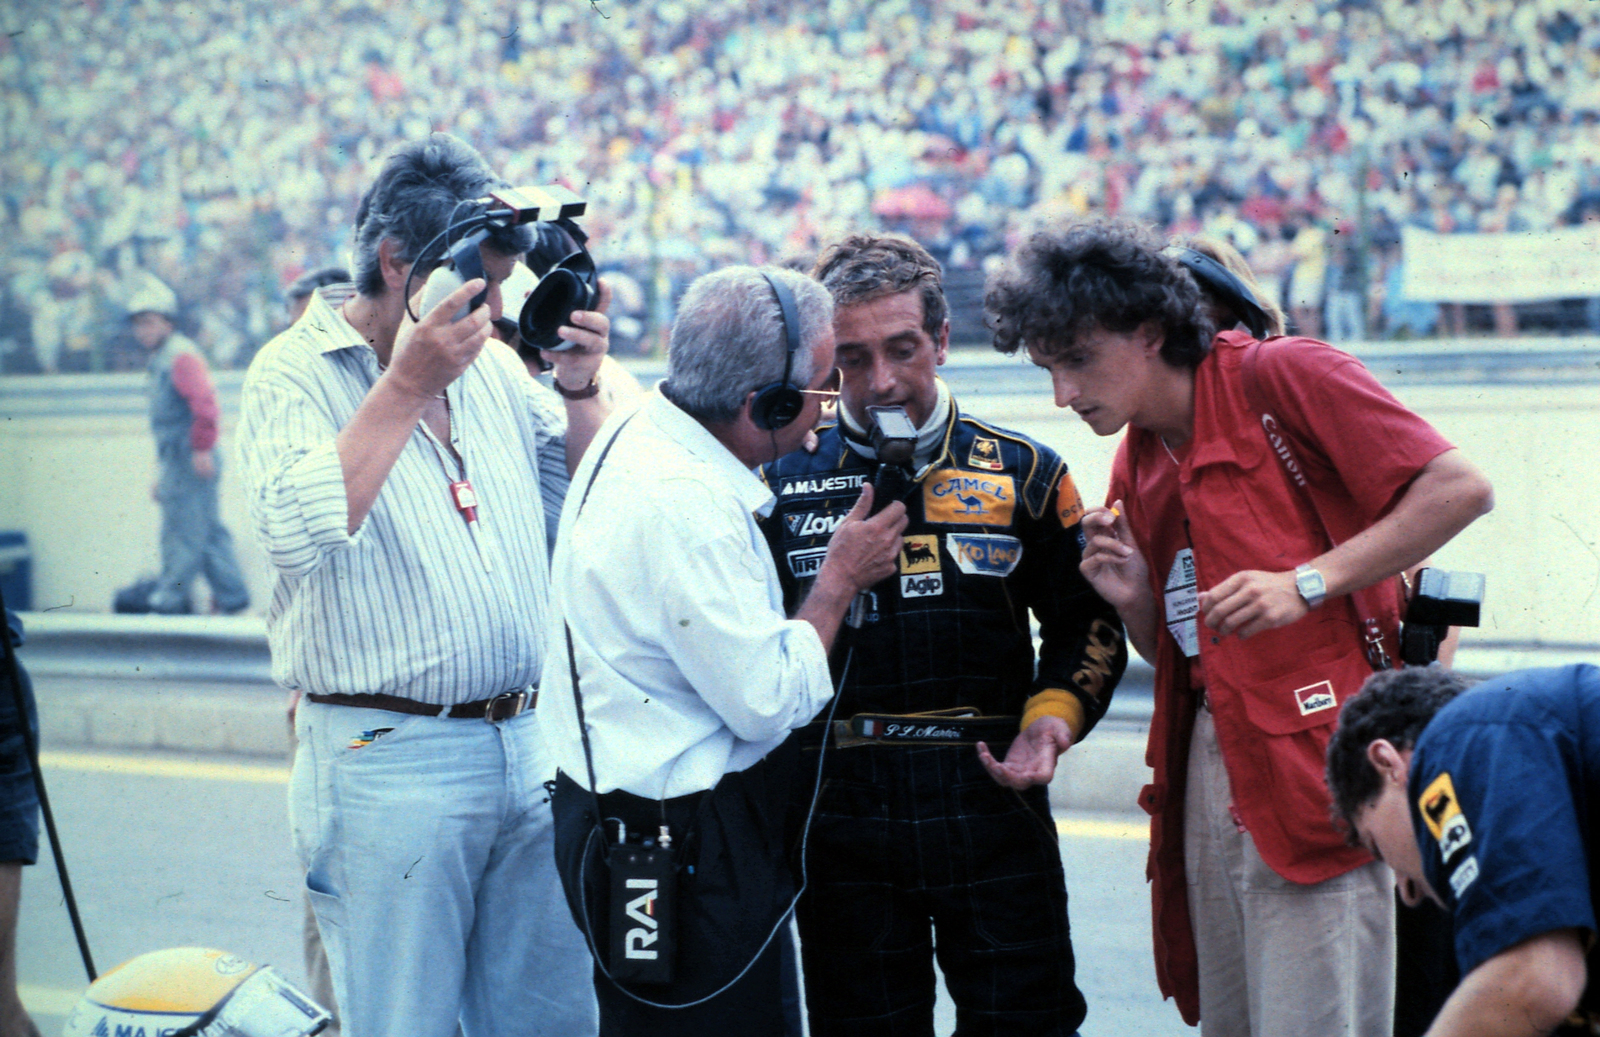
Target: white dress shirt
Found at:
413, 603
689, 668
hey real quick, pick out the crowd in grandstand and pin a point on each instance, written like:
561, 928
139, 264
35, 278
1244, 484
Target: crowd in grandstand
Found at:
220, 145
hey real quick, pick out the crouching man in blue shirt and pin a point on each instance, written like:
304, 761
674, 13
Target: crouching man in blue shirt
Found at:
1487, 800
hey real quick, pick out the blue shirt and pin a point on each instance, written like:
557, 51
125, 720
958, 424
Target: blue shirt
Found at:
1504, 786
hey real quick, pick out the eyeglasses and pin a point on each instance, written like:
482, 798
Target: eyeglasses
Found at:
830, 388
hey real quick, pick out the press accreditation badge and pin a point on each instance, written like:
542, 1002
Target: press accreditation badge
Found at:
1183, 603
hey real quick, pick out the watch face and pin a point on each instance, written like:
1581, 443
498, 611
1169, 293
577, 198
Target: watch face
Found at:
1310, 584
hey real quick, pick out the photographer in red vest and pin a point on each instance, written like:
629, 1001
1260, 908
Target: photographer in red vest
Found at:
1262, 501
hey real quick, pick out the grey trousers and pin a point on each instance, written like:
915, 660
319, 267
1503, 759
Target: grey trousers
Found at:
194, 541
1277, 958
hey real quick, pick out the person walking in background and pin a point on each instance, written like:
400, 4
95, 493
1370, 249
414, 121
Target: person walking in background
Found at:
184, 418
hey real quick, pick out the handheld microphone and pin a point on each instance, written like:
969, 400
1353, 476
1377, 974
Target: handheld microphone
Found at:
894, 439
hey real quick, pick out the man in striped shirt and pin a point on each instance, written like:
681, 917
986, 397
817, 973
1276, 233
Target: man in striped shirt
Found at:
396, 473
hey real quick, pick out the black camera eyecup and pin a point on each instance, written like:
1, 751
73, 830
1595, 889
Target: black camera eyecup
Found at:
567, 287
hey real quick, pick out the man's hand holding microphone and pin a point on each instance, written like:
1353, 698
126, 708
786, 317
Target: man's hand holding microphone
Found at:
863, 551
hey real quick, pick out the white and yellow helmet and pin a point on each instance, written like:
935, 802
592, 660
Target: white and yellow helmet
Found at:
194, 992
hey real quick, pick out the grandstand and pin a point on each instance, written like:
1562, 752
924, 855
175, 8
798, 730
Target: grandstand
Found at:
221, 144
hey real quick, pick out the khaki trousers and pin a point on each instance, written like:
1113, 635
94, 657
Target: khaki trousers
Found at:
1279, 959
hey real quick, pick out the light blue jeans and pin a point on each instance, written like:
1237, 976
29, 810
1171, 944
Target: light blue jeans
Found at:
430, 863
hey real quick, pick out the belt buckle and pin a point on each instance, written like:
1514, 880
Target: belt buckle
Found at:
506, 705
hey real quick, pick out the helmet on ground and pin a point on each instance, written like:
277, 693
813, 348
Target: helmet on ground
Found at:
194, 992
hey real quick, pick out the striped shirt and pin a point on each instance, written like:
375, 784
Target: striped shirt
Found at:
404, 606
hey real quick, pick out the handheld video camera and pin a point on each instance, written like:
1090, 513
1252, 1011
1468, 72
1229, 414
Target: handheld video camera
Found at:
1441, 600
570, 284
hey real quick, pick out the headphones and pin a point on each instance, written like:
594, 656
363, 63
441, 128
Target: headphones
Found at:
1225, 284
780, 403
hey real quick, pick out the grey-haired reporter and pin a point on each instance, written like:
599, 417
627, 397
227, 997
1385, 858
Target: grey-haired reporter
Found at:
396, 471
673, 675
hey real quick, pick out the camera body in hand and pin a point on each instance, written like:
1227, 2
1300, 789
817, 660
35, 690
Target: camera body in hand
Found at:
1441, 600
568, 283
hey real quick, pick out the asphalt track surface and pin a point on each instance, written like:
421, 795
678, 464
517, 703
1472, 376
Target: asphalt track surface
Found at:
168, 851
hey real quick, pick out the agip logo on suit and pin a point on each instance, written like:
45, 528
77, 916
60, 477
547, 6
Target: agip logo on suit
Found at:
961, 498
919, 553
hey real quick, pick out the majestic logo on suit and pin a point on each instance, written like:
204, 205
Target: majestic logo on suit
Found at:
822, 484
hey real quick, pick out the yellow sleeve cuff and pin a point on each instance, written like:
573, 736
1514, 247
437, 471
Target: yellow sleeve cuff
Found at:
1054, 702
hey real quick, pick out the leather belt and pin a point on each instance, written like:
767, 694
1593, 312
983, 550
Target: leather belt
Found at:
960, 726
502, 707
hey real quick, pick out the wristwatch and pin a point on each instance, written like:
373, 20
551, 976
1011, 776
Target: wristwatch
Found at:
1310, 584
587, 392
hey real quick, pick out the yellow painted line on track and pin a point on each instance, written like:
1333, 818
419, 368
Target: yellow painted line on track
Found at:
1094, 828
114, 763
47, 1000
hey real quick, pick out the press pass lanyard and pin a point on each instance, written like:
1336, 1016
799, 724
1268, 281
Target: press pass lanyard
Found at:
462, 495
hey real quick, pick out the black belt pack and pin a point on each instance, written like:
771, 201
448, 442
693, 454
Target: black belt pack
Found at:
643, 934
960, 726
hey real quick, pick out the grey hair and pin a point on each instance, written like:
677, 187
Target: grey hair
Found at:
420, 201
728, 339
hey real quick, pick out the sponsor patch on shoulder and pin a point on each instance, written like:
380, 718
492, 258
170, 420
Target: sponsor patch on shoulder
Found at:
969, 498
1463, 876
1438, 804
984, 554
1314, 698
1455, 837
921, 585
919, 553
807, 561
985, 454
1069, 504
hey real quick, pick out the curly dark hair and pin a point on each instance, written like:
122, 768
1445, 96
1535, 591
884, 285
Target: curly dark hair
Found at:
1095, 272
419, 193
1394, 705
864, 267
